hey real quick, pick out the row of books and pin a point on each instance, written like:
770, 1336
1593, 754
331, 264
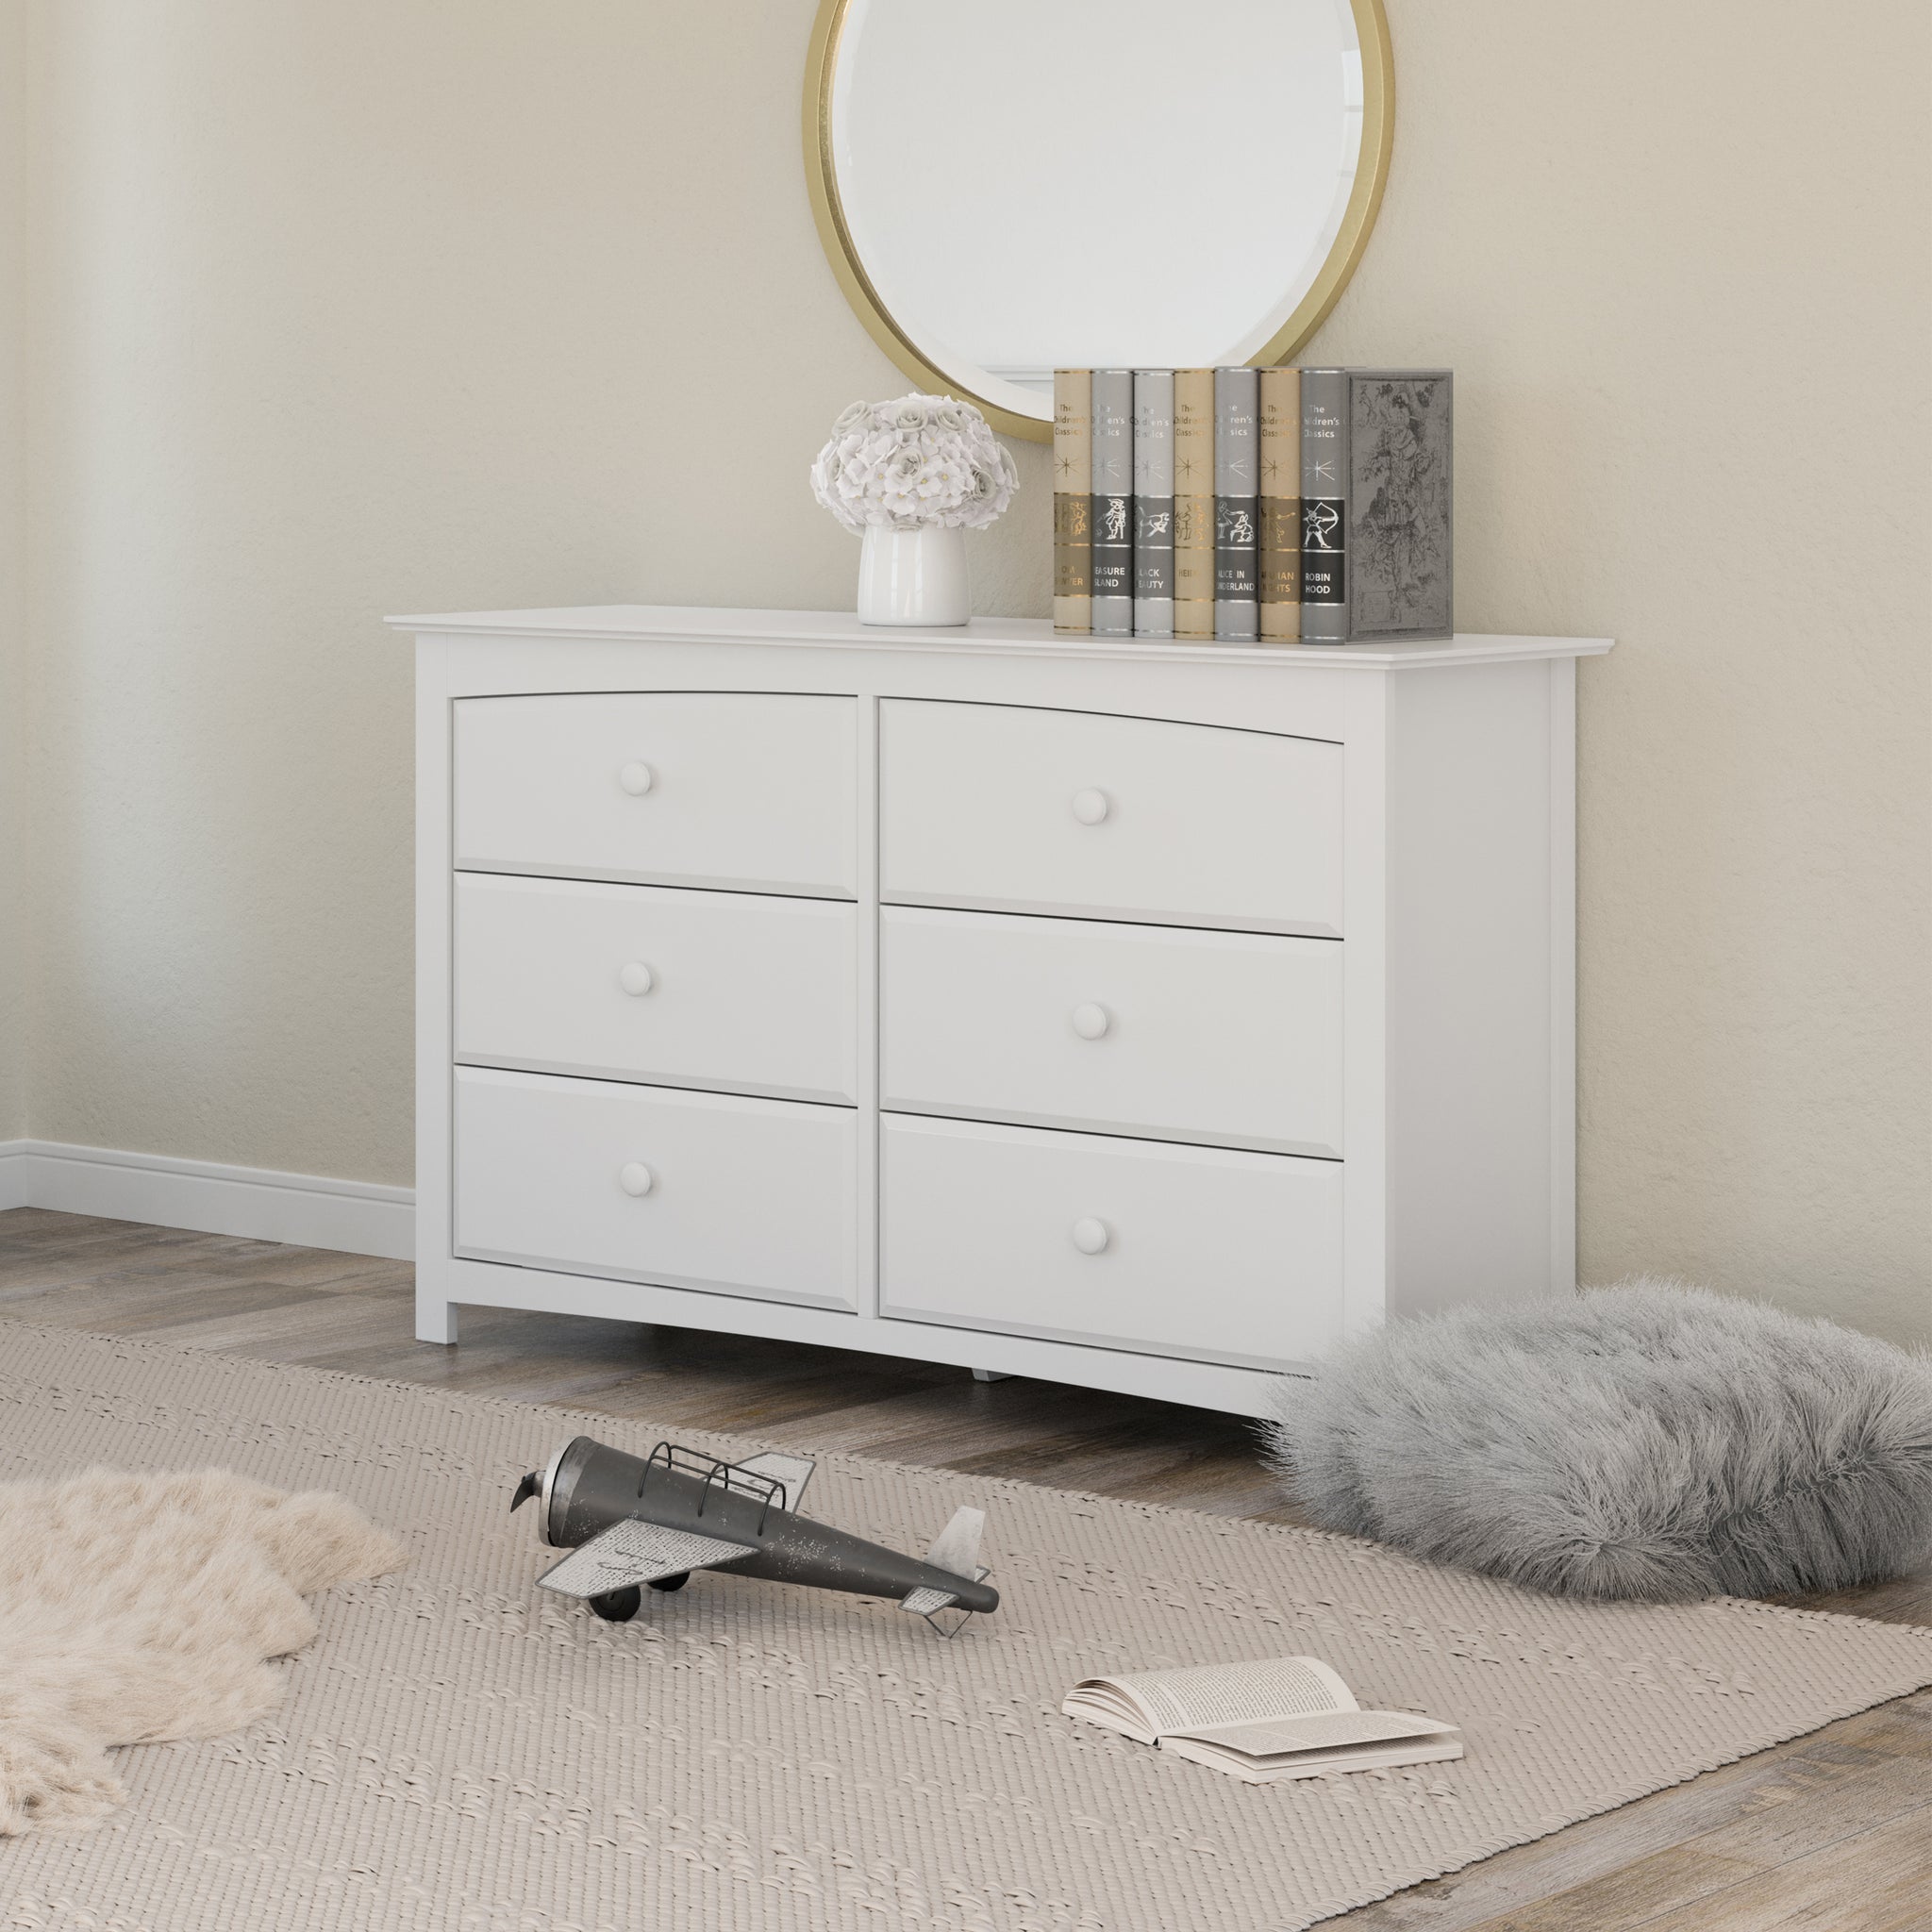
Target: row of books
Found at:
1254, 505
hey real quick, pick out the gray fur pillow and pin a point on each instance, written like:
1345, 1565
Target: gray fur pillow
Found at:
1649, 1440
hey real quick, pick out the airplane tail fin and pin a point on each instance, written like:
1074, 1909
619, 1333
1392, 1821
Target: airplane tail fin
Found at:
955, 1550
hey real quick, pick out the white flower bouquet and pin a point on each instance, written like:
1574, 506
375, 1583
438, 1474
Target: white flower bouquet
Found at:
923, 462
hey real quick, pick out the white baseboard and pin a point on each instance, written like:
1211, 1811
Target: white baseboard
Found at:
304, 1210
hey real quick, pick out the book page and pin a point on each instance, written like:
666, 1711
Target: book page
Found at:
1211, 1695
1320, 1731
1336, 1758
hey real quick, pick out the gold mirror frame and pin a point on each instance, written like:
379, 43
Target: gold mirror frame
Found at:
1357, 219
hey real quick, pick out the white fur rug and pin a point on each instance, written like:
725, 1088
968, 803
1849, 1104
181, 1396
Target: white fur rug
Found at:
135, 1608
460, 1752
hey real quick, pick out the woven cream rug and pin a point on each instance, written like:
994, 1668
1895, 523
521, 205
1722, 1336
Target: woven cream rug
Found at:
454, 1755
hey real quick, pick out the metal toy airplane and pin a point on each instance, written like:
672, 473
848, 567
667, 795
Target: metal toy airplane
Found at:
629, 1521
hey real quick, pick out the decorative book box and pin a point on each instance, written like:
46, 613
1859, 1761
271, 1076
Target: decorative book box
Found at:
1140, 1014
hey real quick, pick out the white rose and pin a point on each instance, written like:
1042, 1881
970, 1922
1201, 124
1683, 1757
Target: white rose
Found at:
912, 463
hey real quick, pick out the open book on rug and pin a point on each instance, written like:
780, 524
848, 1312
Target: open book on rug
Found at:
1275, 1717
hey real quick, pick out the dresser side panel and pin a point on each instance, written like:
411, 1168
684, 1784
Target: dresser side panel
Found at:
1475, 1014
1562, 865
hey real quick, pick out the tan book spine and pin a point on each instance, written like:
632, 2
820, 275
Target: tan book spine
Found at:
1193, 503
1281, 505
1073, 499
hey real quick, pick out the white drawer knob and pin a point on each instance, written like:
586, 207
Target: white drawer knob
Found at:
1091, 1021
1091, 1236
634, 1178
1091, 807
636, 978
636, 779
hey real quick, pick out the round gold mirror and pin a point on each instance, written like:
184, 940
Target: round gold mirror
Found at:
1004, 187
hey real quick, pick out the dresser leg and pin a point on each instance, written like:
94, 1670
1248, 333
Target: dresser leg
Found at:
991, 1376
436, 1319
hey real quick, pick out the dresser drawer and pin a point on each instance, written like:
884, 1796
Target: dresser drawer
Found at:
737, 1196
1185, 1251
1015, 810
747, 791
1232, 1039
732, 990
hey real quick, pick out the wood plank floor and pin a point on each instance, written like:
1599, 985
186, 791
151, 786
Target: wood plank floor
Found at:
1831, 1833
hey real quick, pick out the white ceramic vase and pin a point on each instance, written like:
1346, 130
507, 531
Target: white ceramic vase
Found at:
913, 577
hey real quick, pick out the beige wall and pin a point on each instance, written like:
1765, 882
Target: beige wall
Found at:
13, 912
380, 305
1678, 255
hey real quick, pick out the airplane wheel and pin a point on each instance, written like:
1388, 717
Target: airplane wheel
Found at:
676, 1582
618, 1606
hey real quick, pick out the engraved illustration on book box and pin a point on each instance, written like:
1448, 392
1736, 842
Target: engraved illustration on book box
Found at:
1152, 547
1281, 580
1400, 508
1325, 565
1234, 529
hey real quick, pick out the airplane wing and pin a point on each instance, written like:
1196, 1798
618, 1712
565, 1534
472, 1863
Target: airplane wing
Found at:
923, 1603
636, 1552
795, 1472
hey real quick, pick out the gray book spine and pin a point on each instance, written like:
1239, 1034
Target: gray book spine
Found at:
1324, 505
1113, 503
1154, 503
1237, 435
1398, 481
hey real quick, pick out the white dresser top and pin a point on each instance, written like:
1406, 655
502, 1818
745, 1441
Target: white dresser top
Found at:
984, 636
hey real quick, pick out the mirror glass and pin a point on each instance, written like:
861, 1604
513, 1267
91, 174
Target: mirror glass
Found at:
1032, 184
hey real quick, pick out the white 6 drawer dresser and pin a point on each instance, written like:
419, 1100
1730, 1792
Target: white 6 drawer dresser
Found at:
1145, 1015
